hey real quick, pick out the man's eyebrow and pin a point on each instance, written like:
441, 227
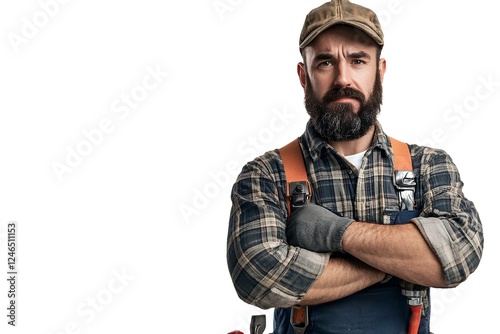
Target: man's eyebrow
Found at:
359, 54
323, 56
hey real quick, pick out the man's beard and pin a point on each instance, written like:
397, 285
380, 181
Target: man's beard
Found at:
338, 121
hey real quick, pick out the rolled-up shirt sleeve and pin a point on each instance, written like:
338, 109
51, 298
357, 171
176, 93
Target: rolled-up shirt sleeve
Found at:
449, 222
265, 270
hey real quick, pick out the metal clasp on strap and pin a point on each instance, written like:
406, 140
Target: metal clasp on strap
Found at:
258, 324
299, 194
404, 181
299, 318
415, 297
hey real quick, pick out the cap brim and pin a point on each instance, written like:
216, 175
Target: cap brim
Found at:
354, 24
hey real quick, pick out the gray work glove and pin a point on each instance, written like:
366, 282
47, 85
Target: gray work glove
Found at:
316, 228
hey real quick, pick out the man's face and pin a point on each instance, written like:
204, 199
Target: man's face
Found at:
342, 81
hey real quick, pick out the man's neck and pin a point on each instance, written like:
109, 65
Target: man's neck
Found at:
354, 146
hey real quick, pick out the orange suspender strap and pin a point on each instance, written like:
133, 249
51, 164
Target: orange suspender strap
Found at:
293, 162
402, 158
295, 171
403, 164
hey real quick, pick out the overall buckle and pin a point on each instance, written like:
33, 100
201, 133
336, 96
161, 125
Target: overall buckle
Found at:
299, 318
404, 181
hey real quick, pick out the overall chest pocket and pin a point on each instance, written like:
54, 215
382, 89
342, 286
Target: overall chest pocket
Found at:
392, 217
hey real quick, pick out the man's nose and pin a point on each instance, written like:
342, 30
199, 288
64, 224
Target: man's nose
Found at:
342, 75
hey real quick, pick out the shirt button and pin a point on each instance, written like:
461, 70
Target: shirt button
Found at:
349, 172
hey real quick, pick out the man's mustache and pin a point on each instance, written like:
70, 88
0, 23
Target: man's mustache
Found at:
337, 93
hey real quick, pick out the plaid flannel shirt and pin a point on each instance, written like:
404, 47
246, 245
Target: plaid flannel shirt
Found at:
267, 272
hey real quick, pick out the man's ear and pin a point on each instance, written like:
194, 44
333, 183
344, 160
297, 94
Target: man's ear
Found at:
381, 68
301, 71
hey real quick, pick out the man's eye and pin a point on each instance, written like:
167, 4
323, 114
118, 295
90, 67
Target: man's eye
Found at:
325, 63
358, 62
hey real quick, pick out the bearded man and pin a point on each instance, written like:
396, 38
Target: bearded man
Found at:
343, 259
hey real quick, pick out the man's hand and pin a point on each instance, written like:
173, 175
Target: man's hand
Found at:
316, 228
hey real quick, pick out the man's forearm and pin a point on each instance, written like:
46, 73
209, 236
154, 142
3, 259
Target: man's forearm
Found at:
399, 250
341, 277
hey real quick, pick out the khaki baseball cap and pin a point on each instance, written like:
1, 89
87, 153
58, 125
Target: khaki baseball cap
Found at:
340, 12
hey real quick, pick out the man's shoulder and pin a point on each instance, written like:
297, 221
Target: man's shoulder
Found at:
269, 163
420, 150
425, 155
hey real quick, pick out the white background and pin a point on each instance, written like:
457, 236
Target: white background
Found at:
149, 200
